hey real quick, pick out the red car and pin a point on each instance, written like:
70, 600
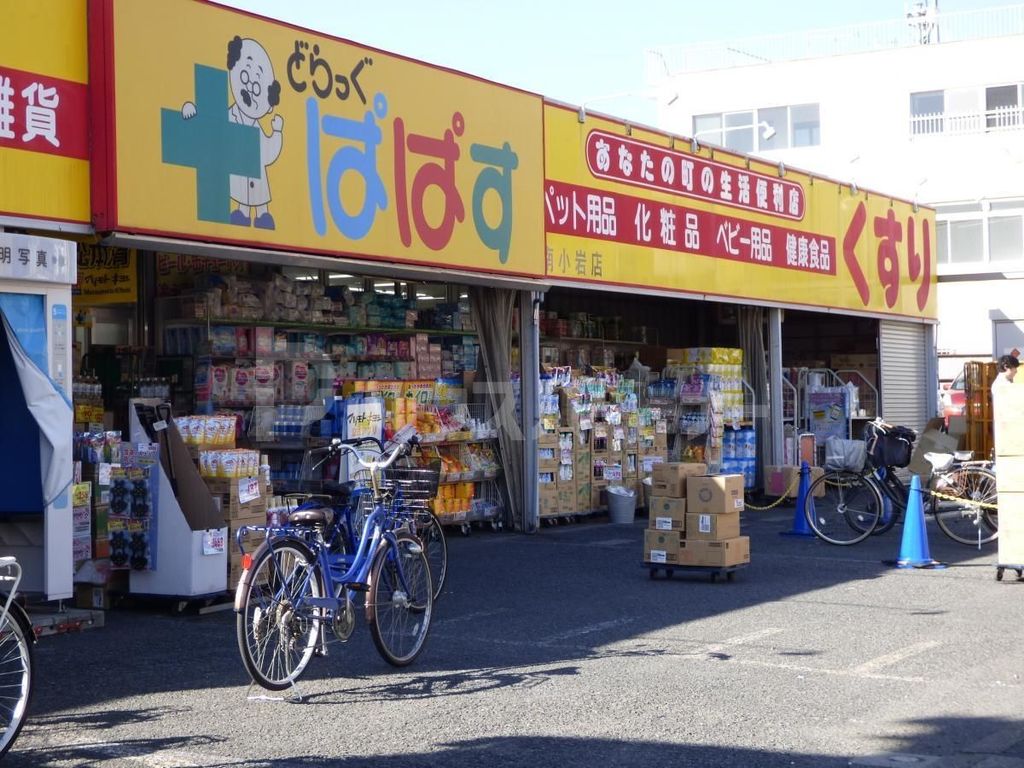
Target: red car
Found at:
954, 398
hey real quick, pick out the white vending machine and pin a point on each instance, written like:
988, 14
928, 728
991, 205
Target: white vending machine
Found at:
36, 276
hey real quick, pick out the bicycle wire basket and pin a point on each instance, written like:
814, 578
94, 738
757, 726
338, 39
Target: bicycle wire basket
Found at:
410, 488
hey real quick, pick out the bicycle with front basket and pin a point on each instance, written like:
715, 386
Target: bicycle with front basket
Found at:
844, 507
296, 585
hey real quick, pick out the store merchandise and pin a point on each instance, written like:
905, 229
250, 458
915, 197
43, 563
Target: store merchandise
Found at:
702, 529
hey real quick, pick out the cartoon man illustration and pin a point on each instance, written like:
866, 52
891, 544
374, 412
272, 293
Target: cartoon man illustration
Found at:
256, 93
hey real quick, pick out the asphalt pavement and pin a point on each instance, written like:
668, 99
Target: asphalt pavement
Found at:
559, 649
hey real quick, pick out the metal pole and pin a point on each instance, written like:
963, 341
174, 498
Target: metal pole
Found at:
775, 423
529, 355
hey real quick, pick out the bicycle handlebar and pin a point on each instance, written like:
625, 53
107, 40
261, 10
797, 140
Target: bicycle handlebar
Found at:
397, 446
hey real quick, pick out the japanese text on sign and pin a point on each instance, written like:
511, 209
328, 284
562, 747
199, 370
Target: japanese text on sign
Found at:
42, 114
622, 159
603, 215
40, 259
890, 232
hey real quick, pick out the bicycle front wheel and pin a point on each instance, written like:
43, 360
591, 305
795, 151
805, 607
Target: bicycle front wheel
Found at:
277, 628
842, 508
972, 517
16, 658
435, 546
400, 600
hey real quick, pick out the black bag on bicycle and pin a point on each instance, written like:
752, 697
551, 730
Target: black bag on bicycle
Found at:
889, 446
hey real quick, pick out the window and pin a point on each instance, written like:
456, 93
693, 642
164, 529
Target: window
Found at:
942, 242
1005, 238
1002, 106
708, 128
794, 126
926, 111
965, 241
739, 133
777, 118
806, 125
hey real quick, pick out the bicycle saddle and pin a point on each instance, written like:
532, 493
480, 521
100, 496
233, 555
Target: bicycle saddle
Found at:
311, 516
940, 461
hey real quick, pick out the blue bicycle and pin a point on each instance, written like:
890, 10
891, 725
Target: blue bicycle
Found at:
301, 580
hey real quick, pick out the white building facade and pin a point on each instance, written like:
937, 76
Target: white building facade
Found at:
928, 108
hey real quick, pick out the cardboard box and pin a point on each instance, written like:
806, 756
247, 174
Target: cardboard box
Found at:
548, 501
547, 439
1008, 405
667, 514
566, 498
583, 490
715, 553
598, 495
670, 478
1010, 477
930, 441
779, 480
92, 597
661, 546
705, 527
714, 494
582, 463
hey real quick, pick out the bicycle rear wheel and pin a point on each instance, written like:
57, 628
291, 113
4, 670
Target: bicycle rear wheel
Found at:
400, 600
842, 508
967, 521
277, 629
435, 546
16, 656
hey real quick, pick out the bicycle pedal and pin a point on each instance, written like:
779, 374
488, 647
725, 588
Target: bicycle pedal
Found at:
358, 587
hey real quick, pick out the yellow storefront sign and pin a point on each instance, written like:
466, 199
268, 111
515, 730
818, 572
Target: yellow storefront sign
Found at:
106, 276
236, 129
640, 209
44, 151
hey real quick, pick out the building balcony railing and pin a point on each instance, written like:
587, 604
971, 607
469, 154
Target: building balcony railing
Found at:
964, 123
914, 30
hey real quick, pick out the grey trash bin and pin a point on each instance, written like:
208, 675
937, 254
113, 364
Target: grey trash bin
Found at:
621, 505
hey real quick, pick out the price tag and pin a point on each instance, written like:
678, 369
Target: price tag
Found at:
586, 424
159, 426
661, 427
613, 472
248, 489
658, 556
214, 543
619, 433
103, 474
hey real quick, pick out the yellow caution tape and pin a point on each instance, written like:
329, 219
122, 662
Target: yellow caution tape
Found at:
964, 500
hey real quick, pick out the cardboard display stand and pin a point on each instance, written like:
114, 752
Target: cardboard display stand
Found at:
192, 545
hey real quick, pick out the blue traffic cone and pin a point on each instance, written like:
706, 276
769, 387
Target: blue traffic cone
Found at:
800, 526
914, 545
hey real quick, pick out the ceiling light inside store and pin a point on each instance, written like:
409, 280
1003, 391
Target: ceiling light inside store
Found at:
340, 277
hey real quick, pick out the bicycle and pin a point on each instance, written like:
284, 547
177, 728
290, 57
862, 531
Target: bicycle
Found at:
844, 507
16, 659
406, 489
295, 585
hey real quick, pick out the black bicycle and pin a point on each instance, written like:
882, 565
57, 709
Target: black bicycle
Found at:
844, 507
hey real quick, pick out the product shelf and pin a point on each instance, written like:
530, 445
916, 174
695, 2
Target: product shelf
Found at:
331, 330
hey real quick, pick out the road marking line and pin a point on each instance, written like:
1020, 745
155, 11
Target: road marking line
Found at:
581, 631
889, 659
741, 640
468, 617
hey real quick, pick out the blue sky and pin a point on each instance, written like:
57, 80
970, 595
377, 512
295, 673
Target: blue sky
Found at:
570, 50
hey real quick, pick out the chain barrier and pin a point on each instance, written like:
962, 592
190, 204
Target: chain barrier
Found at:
789, 492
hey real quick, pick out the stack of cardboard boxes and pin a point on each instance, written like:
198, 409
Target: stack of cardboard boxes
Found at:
695, 518
242, 501
1008, 404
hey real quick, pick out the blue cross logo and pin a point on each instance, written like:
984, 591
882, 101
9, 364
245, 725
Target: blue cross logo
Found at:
212, 144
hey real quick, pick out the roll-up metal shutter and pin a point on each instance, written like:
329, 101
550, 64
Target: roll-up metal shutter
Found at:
904, 373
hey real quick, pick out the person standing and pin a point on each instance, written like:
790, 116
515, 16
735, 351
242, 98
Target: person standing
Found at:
1006, 369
